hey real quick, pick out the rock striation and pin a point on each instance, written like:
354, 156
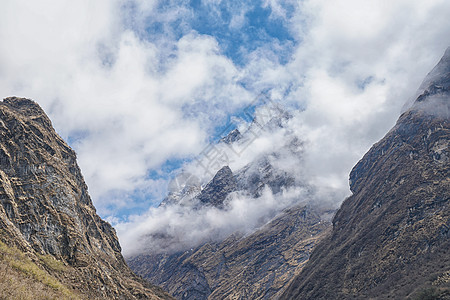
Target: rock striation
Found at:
391, 238
46, 209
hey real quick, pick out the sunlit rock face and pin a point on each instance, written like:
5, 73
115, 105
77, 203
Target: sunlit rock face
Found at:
391, 238
46, 209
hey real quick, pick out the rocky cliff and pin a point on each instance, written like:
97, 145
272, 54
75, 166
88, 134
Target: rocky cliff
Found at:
391, 238
47, 216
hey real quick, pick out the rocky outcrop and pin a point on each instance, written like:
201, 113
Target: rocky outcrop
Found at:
257, 266
218, 188
46, 209
232, 137
251, 180
391, 238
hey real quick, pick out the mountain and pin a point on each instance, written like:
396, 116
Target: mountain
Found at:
261, 172
257, 266
219, 188
253, 265
53, 245
276, 226
391, 238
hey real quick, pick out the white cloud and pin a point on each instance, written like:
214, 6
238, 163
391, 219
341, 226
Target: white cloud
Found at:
135, 102
95, 77
388, 46
175, 228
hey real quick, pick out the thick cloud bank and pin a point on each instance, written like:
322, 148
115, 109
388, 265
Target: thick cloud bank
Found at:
178, 228
138, 88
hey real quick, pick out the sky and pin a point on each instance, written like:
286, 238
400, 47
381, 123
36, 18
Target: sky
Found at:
140, 88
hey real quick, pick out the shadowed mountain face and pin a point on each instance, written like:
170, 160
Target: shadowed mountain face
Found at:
257, 266
391, 238
46, 210
218, 189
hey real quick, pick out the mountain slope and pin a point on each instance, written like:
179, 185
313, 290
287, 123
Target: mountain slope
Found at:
257, 266
390, 239
237, 239
47, 216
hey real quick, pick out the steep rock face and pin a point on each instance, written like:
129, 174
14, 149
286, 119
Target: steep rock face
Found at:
218, 189
257, 266
260, 173
192, 194
391, 238
46, 209
251, 179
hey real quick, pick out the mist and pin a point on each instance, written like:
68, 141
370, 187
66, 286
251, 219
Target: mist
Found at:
271, 141
135, 86
175, 228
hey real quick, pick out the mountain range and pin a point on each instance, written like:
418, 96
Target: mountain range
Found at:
388, 240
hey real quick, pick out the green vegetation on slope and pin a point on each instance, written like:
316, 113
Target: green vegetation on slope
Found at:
21, 278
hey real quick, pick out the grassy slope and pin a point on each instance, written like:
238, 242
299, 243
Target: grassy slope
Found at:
22, 278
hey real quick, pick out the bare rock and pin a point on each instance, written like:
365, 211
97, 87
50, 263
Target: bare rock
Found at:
46, 209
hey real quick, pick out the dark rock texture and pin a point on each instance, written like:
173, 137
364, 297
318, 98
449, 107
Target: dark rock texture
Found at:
257, 266
391, 238
232, 137
254, 177
218, 188
251, 179
46, 209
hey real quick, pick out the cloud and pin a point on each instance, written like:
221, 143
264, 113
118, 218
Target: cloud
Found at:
177, 228
355, 67
360, 62
128, 110
133, 85
268, 150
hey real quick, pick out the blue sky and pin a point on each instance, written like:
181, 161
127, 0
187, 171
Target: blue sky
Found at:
238, 27
139, 88
258, 28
